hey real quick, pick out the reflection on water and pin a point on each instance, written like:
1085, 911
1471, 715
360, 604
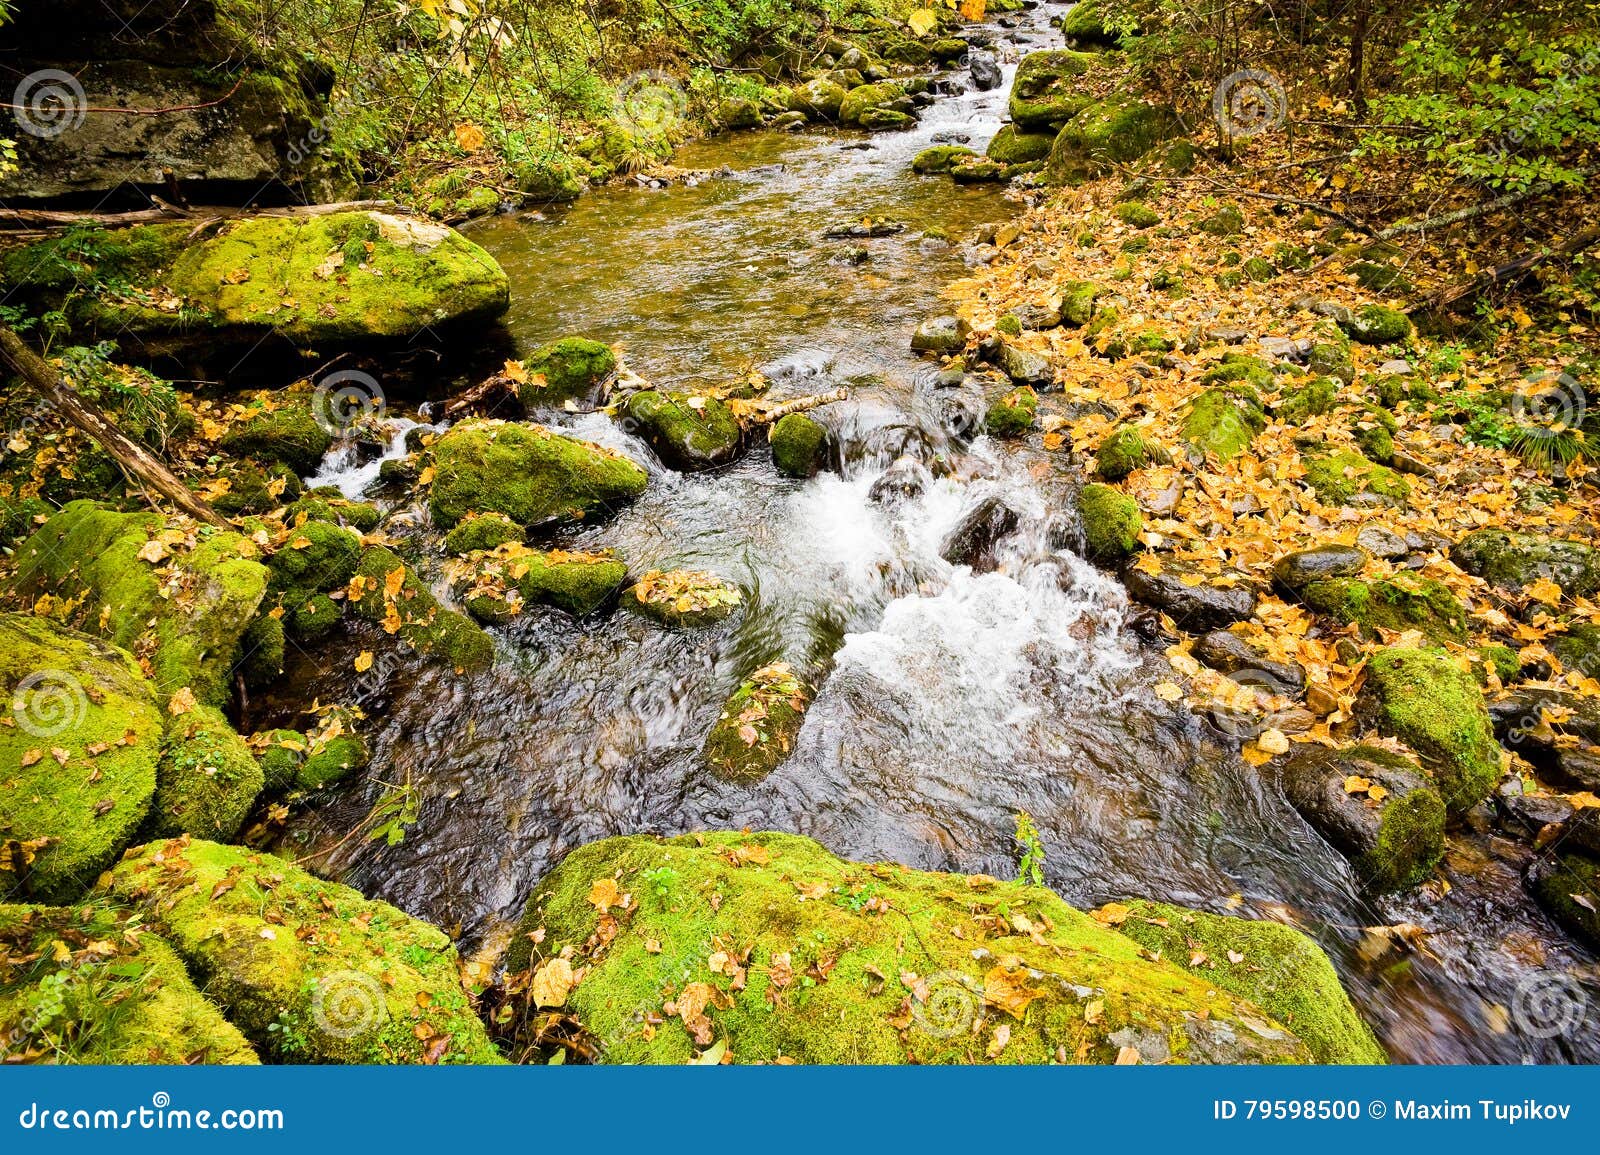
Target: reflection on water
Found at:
953, 698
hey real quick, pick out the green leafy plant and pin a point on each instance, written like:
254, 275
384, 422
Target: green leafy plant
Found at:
1030, 850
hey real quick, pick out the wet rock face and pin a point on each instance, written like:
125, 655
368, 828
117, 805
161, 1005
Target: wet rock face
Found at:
1228, 653
1215, 603
976, 538
1294, 571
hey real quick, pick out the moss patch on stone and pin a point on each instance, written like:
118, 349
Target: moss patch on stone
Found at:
1512, 560
1398, 605
687, 431
1014, 145
685, 599
1346, 478
500, 583
799, 445
1111, 522
758, 725
1012, 414
1048, 88
570, 369
207, 779
939, 158
482, 531
395, 597
286, 433
1223, 420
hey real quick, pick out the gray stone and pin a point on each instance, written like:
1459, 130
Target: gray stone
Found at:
1296, 570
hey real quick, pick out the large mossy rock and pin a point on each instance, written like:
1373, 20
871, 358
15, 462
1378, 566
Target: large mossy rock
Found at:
1049, 89
1282, 971
527, 472
1514, 560
118, 995
1347, 478
284, 432
1399, 605
1389, 822
688, 431
394, 596
1424, 698
571, 369
309, 970
360, 278
1111, 522
784, 952
758, 725
185, 612
514, 576
818, 99
859, 101
207, 779
64, 817
1118, 130
1223, 420
1012, 145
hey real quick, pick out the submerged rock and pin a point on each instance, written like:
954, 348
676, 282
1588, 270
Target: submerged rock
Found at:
309, 970
685, 599
757, 728
514, 576
688, 432
117, 995
80, 759
839, 962
527, 472
1281, 971
1391, 827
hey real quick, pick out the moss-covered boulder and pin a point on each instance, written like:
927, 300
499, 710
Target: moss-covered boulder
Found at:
1282, 971
1118, 130
1426, 699
1346, 478
947, 334
481, 531
1568, 886
317, 282
819, 99
1302, 402
1330, 354
335, 509
1012, 413
504, 581
1086, 24
1375, 807
79, 763
309, 970
1513, 560
89, 984
1111, 522
1013, 145
684, 599
758, 725
688, 431
316, 557
1398, 605
207, 779
285, 432
1139, 216
1377, 325
180, 598
396, 598
881, 95
772, 946
1223, 420
527, 472
280, 754
1048, 89
571, 369
800, 445
939, 158
1124, 450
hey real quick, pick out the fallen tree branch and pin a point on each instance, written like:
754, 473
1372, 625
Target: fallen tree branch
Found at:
1444, 220
60, 218
133, 457
755, 413
1507, 273
499, 384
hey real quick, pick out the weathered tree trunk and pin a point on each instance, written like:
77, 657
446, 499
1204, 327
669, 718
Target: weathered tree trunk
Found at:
53, 218
129, 454
1507, 273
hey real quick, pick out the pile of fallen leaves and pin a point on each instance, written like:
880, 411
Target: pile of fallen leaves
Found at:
686, 591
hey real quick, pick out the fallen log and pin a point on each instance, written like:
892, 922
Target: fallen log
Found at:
133, 457
768, 413
1511, 271
163, 211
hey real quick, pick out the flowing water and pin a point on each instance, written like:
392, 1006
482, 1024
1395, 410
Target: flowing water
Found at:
954, 698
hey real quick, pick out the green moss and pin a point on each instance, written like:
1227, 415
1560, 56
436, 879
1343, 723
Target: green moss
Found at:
1013, 145
1240, 367
687, 431
280, 754
1111, 522
416, 614
1123, 451
313, 617
289, 436
261, 651
87, 559
1048, 87
570, 369
1513, 560
126, 1001
939, 158
1227, 221
1077, 302
1410, 842
1313, 399
1561, 884
799, 445
1427, 605
1377, 325
526, 472
1342, 478
1282, 971
819, 99
1503, 660
207, 779
978, 170
481, 532
1138, 215
332, 761
1223, 420
1330, 353
252, 489
1425, 699
72, 693
1010, 325
579, 583
309, 970
758, 724
1012, 414
683, 599
858, 101
1118, 130
316, 558
847, 963
358, 515
1259, 269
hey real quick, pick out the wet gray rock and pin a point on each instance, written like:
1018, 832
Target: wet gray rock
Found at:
985, 71
1294, 571
1228, 653
1524, 815
1025, 366
1513, 560
1210, 605
941, 335
905, 479
1286, 348
1036, 317
974, 541
1382, 542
